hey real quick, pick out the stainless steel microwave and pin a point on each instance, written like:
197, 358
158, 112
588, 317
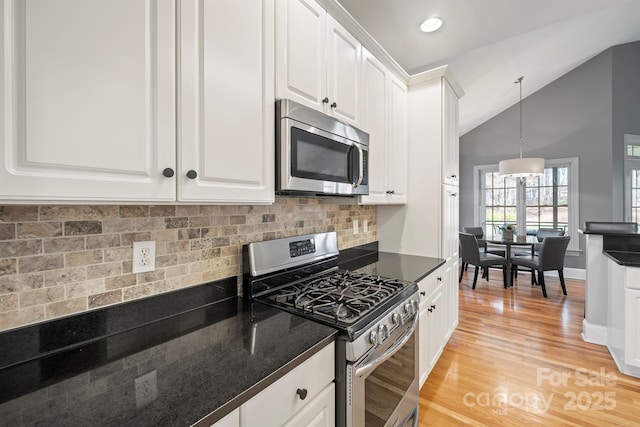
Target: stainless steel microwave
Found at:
318, 155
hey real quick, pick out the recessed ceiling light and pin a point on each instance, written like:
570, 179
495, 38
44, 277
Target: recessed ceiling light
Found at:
431, 25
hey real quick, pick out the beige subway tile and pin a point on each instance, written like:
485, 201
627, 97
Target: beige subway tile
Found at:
176, 222
176, 247
127, 239
189, 233
99, 212
101, 241
8, 266
199, 266
210, 210
166, 260
118, 282
21, 282
143, 290
75, 259
104, 270
188, 210
186, 257
34, 230
150, 276
105, 298
118, 254
40, 263
18, 213
65, 276
199, 221
160, 236
9, 302
53, 213
20, 248
162, 210
149, 224
7, 231
211, 253
66, 307
63, 244
78, 228
21, 317
118, 225
176, 271
41, 296
83, 289
200, 244
133, 211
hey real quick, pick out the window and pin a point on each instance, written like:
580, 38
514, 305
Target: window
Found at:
548, 201
632, 178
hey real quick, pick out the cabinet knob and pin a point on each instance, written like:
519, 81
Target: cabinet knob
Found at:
423, 293
168, 172
334, 105
439, 279
192, 174
325, 100
433, 306
430, 310
302, 392
453, 176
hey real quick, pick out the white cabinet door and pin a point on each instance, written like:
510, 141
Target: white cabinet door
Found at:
632, 327
423, 345
320, 412
88, 92
384, 117
226, 105
397, 142
231, 420
450, 136
280, 402
374, 121
343, 73
318, 61
300, 45
436, 329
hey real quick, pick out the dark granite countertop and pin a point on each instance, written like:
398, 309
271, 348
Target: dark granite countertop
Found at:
208, 351
625, 258
206, 361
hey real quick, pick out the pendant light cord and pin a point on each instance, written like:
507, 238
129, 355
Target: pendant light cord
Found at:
519, 81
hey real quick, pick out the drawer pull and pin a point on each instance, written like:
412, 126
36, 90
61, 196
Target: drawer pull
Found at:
302, 392
423, 293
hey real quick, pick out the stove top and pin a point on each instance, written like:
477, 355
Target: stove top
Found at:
341, 297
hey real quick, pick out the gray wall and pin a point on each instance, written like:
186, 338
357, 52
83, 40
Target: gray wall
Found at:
626, 113
570, 117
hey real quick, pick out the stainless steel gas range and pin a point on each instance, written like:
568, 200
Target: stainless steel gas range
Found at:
377, 347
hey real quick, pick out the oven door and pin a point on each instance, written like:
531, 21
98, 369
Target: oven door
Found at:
383, 386
314, 161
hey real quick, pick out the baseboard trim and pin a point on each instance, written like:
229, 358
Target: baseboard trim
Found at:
595, 334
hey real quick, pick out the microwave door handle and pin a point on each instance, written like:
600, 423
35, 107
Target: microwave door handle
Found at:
360, 167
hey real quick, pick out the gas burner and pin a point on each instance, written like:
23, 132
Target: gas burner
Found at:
341, 296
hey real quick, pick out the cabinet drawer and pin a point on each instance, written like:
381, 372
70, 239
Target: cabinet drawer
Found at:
277, 403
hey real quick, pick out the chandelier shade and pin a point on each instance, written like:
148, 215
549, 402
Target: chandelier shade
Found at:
522, 167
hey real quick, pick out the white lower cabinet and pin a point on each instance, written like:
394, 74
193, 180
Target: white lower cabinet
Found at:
434, 321
303, 397
231, 420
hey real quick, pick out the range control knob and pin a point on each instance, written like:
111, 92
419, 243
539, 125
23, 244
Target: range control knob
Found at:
415, 304
383, 332
396, 319
373, 337
408, 308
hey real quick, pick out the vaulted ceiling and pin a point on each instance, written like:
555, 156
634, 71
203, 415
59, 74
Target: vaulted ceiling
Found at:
488, 44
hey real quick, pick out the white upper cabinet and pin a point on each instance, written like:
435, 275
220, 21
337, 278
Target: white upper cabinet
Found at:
384, 117
318, 61
450, 135
88, 94
90, 112
226, 104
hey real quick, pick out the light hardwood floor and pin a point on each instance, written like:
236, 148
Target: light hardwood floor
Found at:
518, 359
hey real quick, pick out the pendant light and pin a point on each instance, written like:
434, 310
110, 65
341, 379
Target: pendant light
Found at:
522, 167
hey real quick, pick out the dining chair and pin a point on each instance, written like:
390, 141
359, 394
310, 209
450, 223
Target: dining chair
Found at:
551, 257
470, 253
546, 232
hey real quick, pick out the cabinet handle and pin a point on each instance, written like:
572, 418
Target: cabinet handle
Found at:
168, 172
423, 293
326, 100
453, 194
453, 176
334, 105
430, 310
433, 306
302, 392
192, 174
439, 279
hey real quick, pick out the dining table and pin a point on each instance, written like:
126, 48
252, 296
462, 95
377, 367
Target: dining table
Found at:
508, 243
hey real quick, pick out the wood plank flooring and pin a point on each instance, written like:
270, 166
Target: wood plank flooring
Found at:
518, 359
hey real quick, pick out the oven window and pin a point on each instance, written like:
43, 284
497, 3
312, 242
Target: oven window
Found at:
319, 158
386, 386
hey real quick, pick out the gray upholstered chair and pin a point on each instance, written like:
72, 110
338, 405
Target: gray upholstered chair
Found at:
551, 257
470, 254
546, 232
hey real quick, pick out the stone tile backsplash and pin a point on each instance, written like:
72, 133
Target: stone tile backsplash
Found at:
62, 260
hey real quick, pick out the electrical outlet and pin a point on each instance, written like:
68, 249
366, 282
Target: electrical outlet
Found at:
355, 226
365, 226
144, 256
146, 388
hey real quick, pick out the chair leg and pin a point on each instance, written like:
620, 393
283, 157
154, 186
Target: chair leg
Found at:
475, 278
462, 269
486, 274
561, 276
504, 276
541, 280
465, 265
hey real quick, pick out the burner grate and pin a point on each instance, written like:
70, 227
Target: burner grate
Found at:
342, 297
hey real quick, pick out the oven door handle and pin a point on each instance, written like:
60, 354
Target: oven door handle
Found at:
369, 366
360, 166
